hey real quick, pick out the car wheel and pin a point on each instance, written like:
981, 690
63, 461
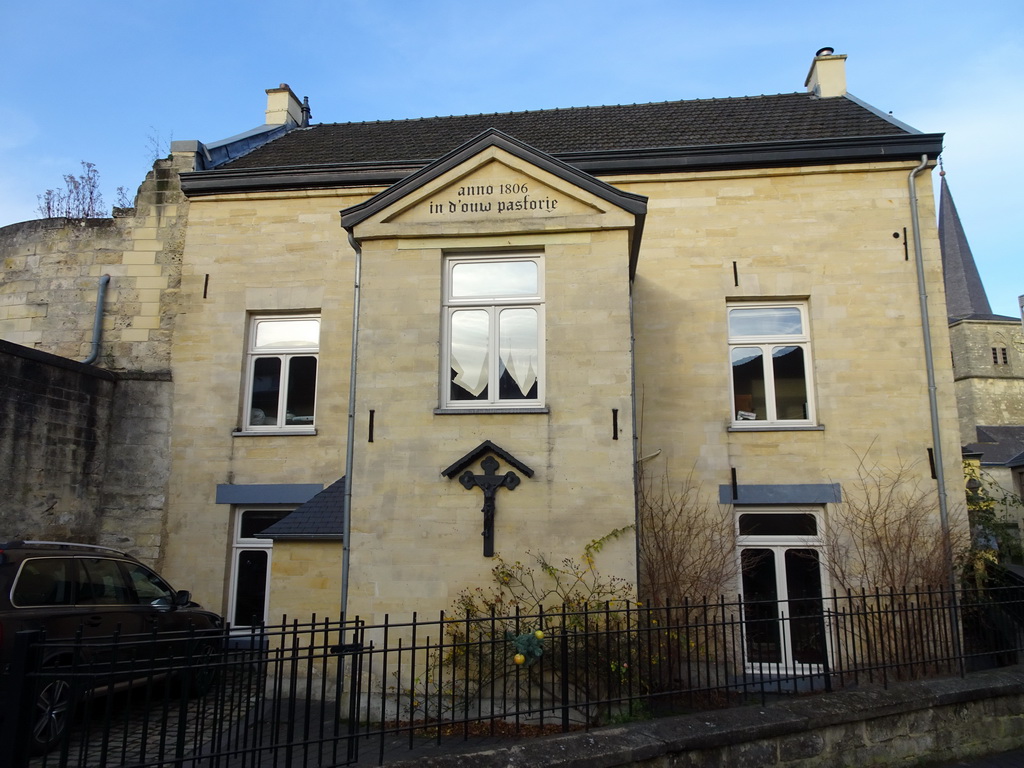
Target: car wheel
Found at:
52, 712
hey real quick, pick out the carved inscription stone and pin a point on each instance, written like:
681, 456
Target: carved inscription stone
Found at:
502, 199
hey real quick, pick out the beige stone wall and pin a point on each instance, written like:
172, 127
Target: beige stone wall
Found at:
243, 255
416, 534
52, 269
824, 234
821, 234
306, 576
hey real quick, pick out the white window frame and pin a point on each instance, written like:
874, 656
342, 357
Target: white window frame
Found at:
765, 343
286, 355
493, 305
778, 544
239, 545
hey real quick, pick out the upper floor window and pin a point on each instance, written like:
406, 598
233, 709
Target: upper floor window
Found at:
281, 373
999, 356
493, 331
769, 349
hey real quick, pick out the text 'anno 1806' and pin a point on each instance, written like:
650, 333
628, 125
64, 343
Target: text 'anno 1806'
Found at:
502, 198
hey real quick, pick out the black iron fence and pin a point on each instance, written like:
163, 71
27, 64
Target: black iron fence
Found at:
321, 693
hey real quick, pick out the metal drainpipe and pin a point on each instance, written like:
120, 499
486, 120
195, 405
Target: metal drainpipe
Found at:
97, 324
940, 476
346, 504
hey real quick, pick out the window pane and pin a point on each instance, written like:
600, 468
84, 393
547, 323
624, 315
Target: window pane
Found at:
101, 583
266, 391
148, 586
790, 383
803, 585
765, 321
748, 384
780, 524
287, 334
760, 606
470, 332
46, 581
494, 278
250, 586
301, 391
518, 354
257, 520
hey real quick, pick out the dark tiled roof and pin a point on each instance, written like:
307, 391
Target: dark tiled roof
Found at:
706, 122
965, 294
318, 518
999, 445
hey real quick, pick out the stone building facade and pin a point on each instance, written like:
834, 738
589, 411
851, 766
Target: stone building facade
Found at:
541, 310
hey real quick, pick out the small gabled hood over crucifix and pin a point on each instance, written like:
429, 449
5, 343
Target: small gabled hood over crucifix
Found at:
489, 482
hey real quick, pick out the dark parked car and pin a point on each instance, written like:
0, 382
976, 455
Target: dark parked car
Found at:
63, 589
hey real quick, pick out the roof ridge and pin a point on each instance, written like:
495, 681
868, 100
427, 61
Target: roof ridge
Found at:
423, 118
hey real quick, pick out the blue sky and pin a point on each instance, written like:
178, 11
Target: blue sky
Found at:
105, 81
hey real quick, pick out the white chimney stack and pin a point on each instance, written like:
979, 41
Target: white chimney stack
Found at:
827, 78
283, 106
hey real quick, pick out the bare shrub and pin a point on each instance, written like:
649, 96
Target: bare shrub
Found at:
80, 198
686, 543
886, 532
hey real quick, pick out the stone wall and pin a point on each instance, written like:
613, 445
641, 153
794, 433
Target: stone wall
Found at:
83, 453
54, 420
91, 463
52, 269
909, 724
989, 392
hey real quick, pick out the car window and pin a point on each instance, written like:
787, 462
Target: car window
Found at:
43, 581
148, 586
100, 582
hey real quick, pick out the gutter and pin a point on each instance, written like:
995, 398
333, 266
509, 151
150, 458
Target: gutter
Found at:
769, 154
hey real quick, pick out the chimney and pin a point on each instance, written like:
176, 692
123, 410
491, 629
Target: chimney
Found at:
283, 106
827, 77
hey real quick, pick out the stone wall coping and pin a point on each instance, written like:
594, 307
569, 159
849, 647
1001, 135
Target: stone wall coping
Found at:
46, 358
651, 739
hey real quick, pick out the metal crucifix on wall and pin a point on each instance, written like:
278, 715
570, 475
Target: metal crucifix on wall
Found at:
489, 482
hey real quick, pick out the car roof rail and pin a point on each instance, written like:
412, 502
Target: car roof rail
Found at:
67, 545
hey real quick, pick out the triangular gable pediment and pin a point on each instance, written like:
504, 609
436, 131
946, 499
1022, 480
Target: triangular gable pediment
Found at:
494, 183
485, 448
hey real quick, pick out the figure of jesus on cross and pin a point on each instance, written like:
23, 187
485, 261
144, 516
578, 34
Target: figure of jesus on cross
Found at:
489, 483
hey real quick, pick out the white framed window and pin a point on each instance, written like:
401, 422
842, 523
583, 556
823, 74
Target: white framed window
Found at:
249, 591
493, 331
782, 583
281, 372
770, 364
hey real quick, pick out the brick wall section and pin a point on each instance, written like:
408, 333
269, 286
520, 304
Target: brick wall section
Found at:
909, 724
54, 420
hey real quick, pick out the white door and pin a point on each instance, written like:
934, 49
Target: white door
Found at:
783, 585
250, 566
